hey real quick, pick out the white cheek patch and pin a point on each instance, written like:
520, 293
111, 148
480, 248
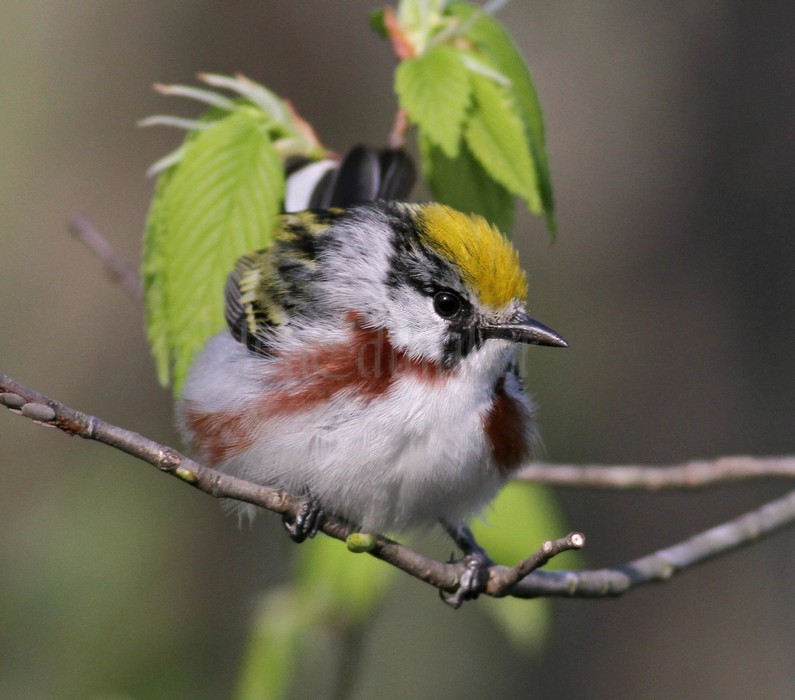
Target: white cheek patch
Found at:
415, 327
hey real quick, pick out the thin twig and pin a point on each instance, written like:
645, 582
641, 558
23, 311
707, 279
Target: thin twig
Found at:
551, 548
662, 565
695, 474
402, 44
522, 580
397, 137
117, 268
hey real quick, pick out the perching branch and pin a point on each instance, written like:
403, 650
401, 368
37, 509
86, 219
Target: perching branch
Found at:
523, 580
44, 410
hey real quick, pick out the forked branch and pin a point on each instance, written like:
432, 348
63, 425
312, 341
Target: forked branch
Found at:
524, 580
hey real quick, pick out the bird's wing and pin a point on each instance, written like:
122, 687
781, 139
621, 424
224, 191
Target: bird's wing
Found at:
272, 285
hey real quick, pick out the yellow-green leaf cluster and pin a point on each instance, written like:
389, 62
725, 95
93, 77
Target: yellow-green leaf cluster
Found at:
215, 199
441, 113
470, 95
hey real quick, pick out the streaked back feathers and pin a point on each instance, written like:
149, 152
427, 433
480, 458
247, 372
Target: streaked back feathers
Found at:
269, 284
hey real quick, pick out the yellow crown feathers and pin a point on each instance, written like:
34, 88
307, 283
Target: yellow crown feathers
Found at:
483, 256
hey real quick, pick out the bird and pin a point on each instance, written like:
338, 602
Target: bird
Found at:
369, 364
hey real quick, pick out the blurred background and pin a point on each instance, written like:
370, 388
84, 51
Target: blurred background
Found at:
670, 130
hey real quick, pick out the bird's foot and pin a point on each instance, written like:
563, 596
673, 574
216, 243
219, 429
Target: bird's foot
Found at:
475, 578
306, 523
471, 583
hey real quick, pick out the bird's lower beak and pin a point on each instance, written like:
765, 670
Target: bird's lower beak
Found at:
523, 329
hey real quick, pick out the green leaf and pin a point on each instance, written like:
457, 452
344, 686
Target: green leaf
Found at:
436, 90
490, 37
215, 200
290, 134
377, 23
462, 183
218, 203
420, 19
274, 647
526, 623
496, 136
151, 272
418, 13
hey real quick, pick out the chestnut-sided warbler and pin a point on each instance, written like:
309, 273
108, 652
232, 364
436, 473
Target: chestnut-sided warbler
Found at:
369, 365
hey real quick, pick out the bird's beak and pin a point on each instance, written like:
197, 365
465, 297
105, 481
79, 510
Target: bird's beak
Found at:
523, 329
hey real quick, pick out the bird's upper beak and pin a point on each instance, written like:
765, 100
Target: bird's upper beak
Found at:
523, 329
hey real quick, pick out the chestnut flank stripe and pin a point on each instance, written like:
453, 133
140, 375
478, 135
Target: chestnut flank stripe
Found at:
366, 368
506, 430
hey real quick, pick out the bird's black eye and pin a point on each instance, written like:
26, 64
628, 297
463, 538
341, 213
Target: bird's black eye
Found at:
447, 304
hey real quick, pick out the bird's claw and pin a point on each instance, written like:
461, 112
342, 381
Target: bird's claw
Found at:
471, 583
307, 521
